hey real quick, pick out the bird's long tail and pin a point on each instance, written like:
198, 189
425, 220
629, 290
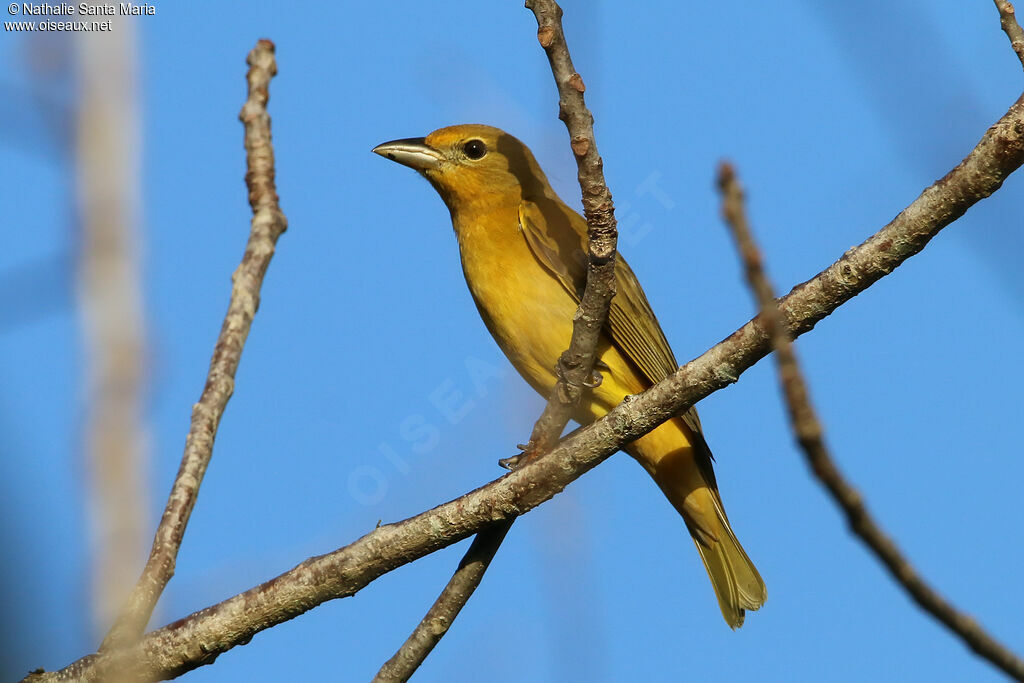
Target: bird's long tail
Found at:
690, 486
737, 584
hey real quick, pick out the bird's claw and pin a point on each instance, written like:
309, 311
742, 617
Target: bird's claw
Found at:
518, 459
595, 378
511, 463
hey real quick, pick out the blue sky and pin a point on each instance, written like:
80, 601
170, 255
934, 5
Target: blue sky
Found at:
836, 116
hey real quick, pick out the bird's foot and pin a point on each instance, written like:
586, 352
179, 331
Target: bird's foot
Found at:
518, 459
511, 463
594, 382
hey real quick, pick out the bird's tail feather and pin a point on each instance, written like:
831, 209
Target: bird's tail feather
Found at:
734, 577
738, 586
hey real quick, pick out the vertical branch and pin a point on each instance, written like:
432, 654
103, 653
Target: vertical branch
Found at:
268, 223
1012, 29
575, 366
810, 436
110, 295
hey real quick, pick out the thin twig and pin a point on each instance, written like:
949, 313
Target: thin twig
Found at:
449, 603
268, 223
576, 364
199, 638
809, 433
1008, 20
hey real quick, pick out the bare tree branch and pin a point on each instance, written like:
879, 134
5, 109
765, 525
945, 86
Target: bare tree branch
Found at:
575, 366
810, 436
268, 223
449, 603
199, 638
1008, 20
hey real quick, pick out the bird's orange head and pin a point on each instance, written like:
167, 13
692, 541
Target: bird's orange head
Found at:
471, 165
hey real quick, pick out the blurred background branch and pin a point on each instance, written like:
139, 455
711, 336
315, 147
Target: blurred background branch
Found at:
108, 169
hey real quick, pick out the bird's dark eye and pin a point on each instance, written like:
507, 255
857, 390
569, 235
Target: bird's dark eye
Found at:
475, 149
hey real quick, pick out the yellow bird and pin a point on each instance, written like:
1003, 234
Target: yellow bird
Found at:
524, 257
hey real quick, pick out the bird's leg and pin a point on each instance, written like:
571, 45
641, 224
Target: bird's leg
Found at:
528, 451
569, 387
566, 389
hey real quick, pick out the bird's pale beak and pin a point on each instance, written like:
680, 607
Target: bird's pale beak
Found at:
412, 152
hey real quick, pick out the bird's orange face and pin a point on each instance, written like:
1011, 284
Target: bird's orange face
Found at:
469, 163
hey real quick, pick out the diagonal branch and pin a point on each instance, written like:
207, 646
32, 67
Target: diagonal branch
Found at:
268, 223
449, 603
809, 433
199, 638
1008, 20
575, 366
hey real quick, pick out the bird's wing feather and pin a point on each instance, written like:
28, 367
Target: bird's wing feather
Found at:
561, 248
558, 251
631, 323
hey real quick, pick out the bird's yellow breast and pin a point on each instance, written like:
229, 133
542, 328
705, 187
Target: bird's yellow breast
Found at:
524, 307
529, 313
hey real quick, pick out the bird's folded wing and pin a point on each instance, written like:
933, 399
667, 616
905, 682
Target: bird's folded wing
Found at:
631, 323
560, 246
